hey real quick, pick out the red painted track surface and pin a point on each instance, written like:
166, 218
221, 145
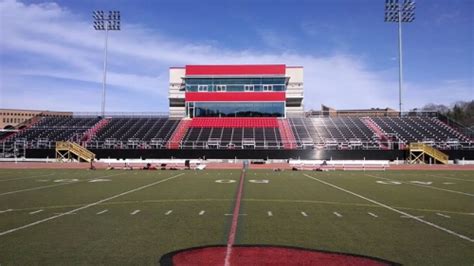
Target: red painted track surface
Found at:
269, 256
282, 166
235, 220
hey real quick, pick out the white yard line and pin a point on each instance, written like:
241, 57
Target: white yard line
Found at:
270, 213
202, 212
304, 214
134, 212
35, 212
425, 186
337, 214
410, 217
231, 214
103, 211
443, 215
36, 188
48, 186
373, 215
3, 180
395, 210
169, 212
88, 205
8, 210
453, 178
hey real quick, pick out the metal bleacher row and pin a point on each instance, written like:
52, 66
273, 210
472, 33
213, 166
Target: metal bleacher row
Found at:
47, 129
134, 132
232, 133
352, 132
239, 133
332, 132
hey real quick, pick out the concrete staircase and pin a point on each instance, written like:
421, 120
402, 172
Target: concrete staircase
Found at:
90, 133
178, 134
286, 134
383, 139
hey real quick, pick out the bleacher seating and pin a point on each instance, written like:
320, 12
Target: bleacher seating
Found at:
232, 133
234, 122
237, 133
55, 129
326, 131
122, 129
332, 131
417, 129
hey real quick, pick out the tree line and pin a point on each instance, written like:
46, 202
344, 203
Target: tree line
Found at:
461, 112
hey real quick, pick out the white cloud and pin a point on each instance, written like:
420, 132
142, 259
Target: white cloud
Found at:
67, 49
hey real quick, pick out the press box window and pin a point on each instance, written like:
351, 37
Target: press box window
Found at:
249, 87
267, 87
221, 87
202, 87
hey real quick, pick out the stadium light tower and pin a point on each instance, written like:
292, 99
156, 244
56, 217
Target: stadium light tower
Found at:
105, 23
398, 11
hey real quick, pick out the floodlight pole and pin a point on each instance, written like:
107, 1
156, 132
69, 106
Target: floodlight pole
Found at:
398, 11
104, 81
400, 60
104, 22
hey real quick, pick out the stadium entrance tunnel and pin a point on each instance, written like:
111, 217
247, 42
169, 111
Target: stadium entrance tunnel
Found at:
266, 255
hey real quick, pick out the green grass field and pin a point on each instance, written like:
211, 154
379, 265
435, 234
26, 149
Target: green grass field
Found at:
52, 217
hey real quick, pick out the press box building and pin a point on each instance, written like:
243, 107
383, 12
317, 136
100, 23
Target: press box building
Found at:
236, 91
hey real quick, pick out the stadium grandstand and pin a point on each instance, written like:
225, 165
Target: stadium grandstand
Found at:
236, 111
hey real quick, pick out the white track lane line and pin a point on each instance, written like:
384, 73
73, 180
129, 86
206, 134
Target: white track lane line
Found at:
337, 214
8, 210
168, 212
134, 212
3, 180
395, 210
270, 213
101, 212
35, 212
304, 214
373, 215
202, 212
48, 186
443, 215
420, 185
89, 205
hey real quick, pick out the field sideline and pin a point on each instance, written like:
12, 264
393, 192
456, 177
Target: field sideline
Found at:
54, 216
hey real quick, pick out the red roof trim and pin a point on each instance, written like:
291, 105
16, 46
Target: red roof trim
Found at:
235, 70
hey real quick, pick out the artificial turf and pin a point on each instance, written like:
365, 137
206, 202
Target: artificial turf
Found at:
185, 209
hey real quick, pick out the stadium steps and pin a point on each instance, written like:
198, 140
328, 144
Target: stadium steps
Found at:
66, 149
286, 133
419, 150
90, 133
179, 133
377, 131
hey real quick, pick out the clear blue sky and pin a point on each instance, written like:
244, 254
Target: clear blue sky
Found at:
51, 58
